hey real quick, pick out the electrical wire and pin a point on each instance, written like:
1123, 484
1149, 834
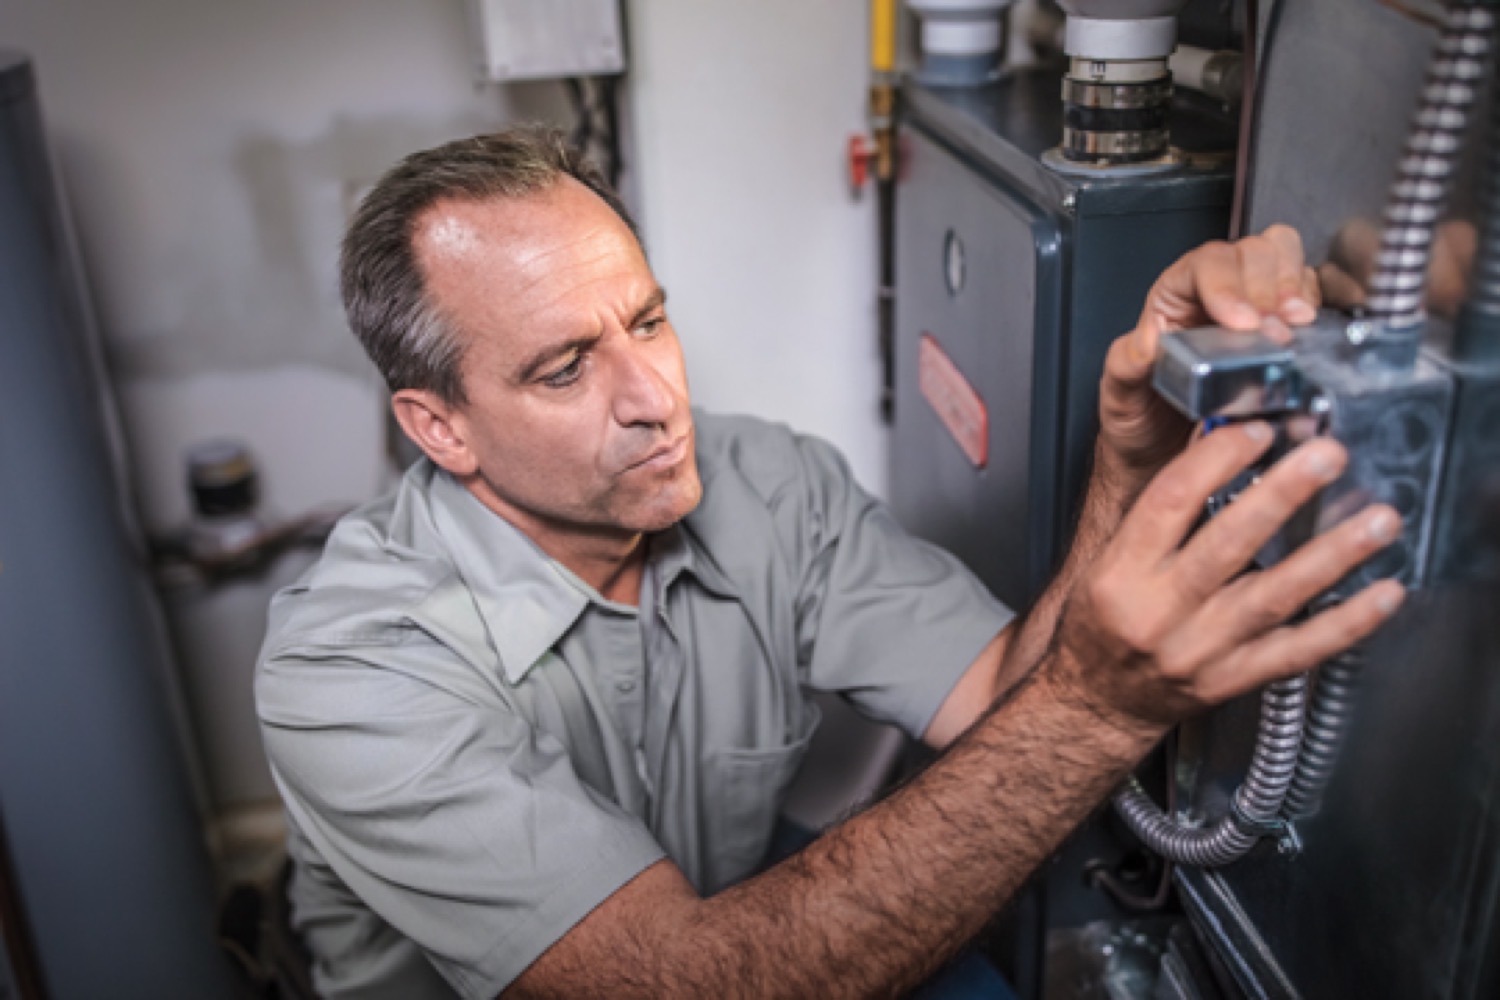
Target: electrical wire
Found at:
1097, 871
597, 129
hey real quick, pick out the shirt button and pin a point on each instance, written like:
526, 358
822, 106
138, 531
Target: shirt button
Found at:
625, 687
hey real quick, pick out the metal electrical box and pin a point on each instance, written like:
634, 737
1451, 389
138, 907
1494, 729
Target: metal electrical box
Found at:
1011, 282
545, 39
1395, 891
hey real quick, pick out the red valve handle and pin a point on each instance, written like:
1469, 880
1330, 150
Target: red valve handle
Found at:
860, 155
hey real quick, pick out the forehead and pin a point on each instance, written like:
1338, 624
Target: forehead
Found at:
518, 267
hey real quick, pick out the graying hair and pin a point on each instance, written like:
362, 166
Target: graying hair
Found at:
412, 343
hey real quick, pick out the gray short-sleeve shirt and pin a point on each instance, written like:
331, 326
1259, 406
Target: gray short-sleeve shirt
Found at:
476, 749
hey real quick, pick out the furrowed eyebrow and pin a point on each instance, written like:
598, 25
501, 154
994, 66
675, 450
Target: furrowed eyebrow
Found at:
547, 355
654, 301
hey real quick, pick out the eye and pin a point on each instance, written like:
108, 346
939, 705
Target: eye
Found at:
651, 327
566, 375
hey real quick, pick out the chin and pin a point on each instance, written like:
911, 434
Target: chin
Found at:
670, 505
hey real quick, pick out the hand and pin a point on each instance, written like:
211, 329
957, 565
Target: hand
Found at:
1345, 276
1165, 625
1256, 283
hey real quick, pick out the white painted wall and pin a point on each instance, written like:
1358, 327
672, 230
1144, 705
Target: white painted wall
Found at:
741, 113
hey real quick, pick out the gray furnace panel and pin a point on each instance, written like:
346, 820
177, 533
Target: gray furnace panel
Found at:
1053, 268
976, 267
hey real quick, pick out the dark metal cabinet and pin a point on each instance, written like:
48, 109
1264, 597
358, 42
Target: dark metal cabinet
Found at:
1053, 268
109, 862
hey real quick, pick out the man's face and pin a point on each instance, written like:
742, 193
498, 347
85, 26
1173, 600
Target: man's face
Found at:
577, 423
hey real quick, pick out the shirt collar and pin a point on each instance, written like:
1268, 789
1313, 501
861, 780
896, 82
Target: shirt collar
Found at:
678, 550
528, 600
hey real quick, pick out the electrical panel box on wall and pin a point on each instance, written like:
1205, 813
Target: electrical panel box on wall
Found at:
545, 39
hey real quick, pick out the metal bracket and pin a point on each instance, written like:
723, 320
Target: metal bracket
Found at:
1276, 828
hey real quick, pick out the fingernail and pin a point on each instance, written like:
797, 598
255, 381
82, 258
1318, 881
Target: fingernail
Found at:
1322, 464
1298, 310
1277, 330
1383, 527
1389, 599
1258, 431
1241, 316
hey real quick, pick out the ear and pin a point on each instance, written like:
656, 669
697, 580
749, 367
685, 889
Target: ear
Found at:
438, 428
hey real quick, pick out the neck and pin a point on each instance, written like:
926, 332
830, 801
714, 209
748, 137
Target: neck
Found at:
611, 560
616, 577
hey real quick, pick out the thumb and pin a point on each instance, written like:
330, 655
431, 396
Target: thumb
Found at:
1132, 357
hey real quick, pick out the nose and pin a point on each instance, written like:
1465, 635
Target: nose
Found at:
644, 392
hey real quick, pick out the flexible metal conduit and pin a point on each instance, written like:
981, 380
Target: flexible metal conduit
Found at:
1256, 803
1334, 693
1419, 193
1296, 749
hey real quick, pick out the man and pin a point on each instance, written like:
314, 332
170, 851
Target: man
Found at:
534, 713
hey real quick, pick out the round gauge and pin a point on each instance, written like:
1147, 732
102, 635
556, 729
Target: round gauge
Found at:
953, 262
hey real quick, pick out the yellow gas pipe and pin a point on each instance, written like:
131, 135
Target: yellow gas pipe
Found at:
883, 125
883, 85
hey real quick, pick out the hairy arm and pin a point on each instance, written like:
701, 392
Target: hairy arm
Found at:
1018, 649
1256, 283
1158, 627
877, 903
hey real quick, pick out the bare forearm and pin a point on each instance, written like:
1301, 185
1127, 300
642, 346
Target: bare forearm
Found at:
879, 902
1111, 491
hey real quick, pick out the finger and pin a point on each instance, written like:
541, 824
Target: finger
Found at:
1173, 501
1316, 566
1127, 361
1296, 649
1226, 283
1227, 543
1258, 602
1262, 274
1177, 300
1354, 250
1448, 273
1289, 261
1461, 239
1339, 288
1276, 329
1312, 289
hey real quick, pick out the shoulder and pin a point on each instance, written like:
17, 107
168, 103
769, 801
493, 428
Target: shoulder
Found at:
381, 564
383, 626
771, 496
751, 457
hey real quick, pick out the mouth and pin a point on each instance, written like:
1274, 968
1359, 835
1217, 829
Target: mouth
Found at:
664, 457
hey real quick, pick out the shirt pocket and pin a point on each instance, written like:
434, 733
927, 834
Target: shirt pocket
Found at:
749, 786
